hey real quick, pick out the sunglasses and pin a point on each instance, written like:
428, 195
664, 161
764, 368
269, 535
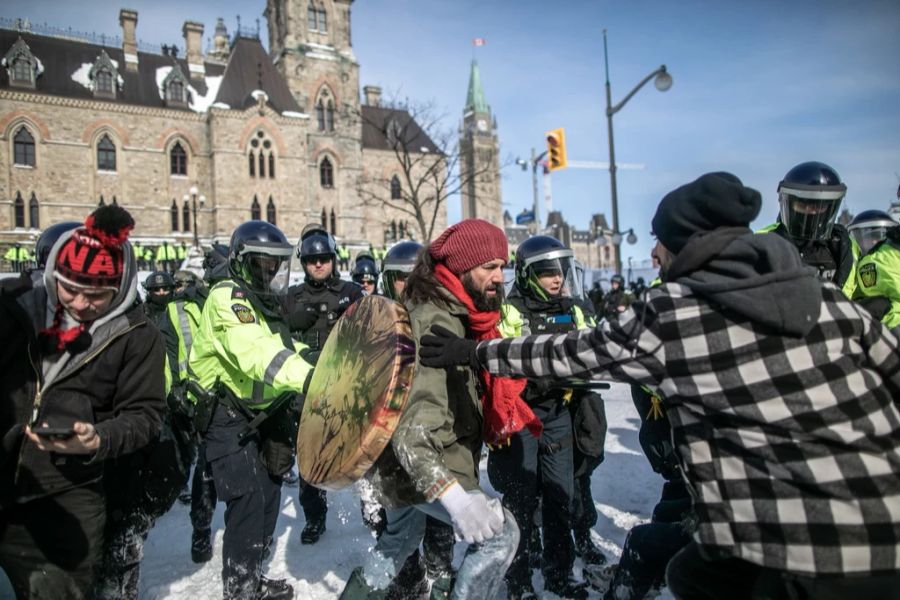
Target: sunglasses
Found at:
317, 260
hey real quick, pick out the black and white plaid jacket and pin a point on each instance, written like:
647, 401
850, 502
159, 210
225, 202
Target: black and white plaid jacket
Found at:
791, 444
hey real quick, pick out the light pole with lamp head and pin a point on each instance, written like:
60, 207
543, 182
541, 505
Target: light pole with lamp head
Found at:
193, 198
663, 83
535, 161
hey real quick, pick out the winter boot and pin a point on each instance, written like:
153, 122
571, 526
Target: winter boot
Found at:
566, 587
313, 530
586, 548
274, 589
201, 546
358, 589
290, 479
599, 577
410, 583
185, 496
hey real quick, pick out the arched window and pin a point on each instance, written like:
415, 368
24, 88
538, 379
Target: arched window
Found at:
324, 218
177, 160
395, 188
254, 210
19, 205
34, 212
325, 110
271, 165
270, 211
22, 70
326, 173
260, 154
103, 202
173, 214
262, 165
320, 114
114, 203
106, 154
252, 158
22, 67
333, 223
393, 229
186, 216
23, 147
104, 76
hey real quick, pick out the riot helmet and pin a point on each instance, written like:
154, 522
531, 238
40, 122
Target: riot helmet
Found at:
49, 237
365, 273
870, 227
538, 260
398, 263
317, 245
215, 264
619, 280
160, 287
259, 257
810, 196
184, 279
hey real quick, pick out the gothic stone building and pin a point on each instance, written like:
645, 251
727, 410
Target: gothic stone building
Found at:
203, 140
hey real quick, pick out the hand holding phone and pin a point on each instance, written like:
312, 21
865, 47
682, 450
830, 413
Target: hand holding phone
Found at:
81, 438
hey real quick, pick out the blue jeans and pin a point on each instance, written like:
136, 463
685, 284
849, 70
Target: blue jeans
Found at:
482, 570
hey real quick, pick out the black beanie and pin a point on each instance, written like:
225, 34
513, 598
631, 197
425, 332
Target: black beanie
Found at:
713, 200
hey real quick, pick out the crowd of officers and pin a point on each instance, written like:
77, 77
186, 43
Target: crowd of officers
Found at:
234, 394
165, 256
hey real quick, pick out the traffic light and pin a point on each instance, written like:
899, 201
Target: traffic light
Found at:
556, 149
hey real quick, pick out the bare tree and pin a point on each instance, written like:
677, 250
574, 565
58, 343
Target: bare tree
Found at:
425, 157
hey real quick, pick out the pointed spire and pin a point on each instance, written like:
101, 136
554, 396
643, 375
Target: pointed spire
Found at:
475, 98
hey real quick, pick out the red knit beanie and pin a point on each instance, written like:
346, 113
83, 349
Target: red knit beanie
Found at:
94, 255
469, 243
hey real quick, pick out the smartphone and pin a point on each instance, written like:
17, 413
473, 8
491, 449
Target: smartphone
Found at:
54, 433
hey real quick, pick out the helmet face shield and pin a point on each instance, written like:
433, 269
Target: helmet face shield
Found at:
265, 268
553, 275
809, 212
867, 237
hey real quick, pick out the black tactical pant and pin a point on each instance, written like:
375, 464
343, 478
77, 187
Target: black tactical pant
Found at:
252, 498
589, 430
649, 547
529, 470
313, 501
49, 547
203, 493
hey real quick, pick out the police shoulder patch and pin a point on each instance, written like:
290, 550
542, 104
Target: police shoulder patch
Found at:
238, 293
243, 313
868, 274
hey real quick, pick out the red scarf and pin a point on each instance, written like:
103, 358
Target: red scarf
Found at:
55, 339
505, 413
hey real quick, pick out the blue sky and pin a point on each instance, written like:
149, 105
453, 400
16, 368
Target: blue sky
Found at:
758, 86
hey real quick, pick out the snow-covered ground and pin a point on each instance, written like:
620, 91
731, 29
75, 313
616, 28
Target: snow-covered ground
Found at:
625, 490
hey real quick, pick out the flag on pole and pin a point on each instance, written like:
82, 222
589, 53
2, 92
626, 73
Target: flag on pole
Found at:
479, 42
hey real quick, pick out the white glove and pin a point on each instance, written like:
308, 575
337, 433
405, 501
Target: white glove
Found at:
475, 517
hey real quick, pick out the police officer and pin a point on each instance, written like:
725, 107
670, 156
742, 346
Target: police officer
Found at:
810, 198
614, 301
244, 355
316, 305
365, 273
18, 257
527, 469
878, 272
160, 288
166, 257
397, 265
870, 227
344, 256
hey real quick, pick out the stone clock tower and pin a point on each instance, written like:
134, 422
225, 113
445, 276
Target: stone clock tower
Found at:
479, 163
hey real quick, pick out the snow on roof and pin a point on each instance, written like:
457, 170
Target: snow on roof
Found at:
198, 102
294, 115
257, 93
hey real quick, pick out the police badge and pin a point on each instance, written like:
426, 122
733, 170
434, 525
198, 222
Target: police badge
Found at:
868, 275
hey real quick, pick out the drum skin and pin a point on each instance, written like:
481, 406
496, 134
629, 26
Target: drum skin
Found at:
357, 393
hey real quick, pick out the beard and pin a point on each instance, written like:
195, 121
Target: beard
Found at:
480, 299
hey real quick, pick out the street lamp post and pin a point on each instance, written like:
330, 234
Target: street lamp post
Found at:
663, 83
536, 207
193, 197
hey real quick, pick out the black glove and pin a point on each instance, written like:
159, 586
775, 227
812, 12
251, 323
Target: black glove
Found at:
304, 317
878, 306
309, 355
445, 349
